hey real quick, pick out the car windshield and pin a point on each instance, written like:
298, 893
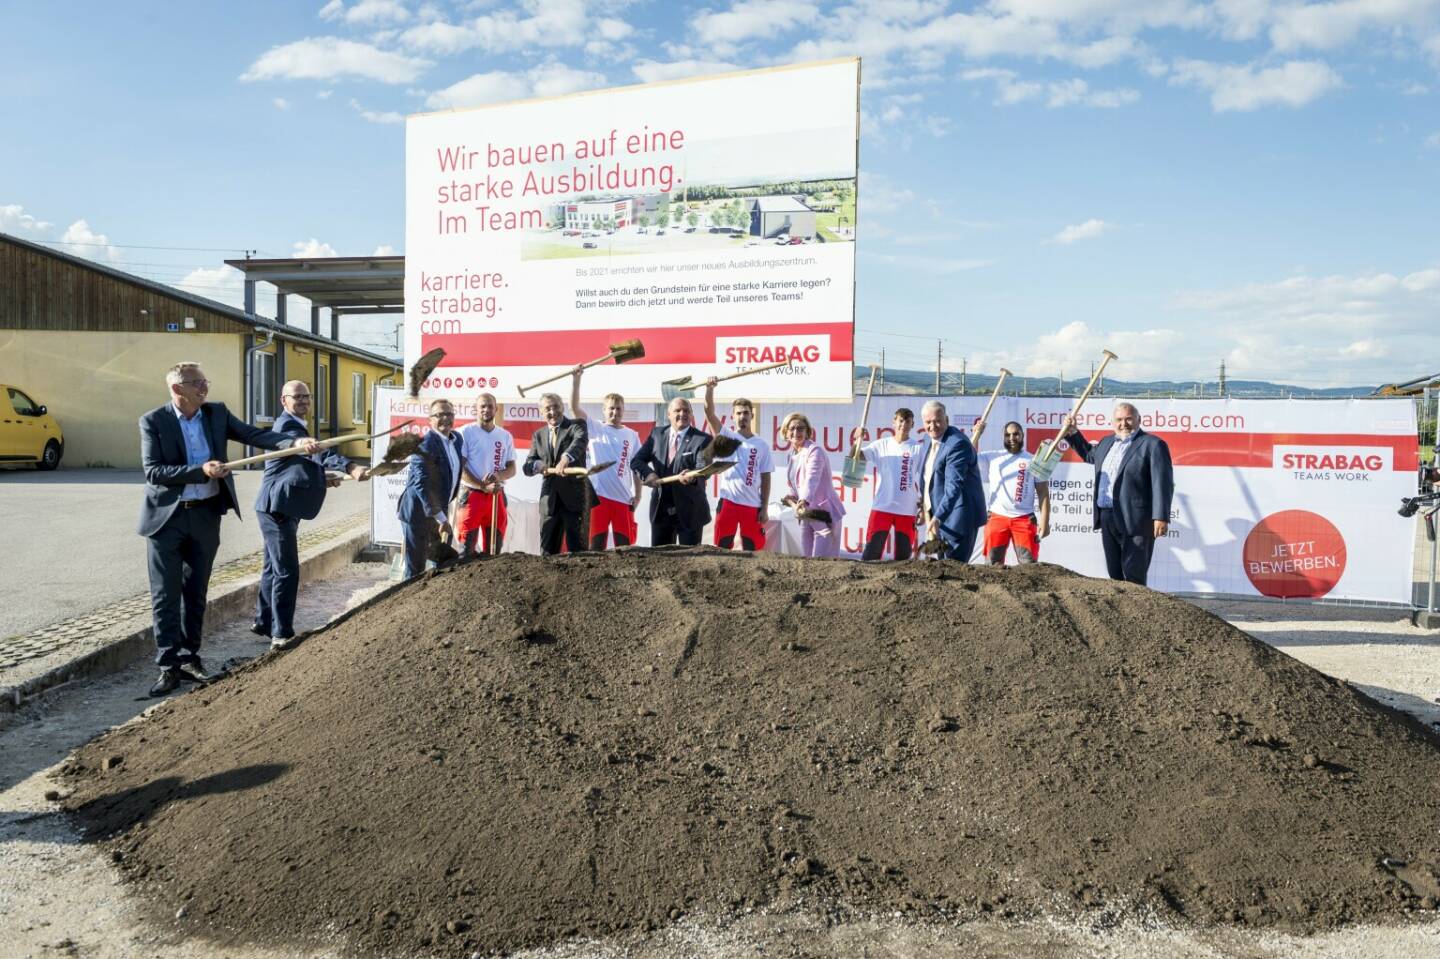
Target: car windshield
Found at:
22, 403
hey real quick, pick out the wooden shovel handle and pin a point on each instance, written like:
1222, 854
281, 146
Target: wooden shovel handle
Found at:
324, 444
864, 415
584, 366
758, 369
994, 394
1044, 452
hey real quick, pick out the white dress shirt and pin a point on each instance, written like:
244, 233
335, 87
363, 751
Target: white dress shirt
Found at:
1109, 470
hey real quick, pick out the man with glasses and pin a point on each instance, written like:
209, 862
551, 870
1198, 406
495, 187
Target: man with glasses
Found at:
292, 489
434, 476
1012, 495
187, 490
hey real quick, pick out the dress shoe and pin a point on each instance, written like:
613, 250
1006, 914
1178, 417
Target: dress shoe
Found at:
284, 642
168, 682
194, 673
259, 630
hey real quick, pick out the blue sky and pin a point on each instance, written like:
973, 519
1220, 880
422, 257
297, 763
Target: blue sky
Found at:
1182, 182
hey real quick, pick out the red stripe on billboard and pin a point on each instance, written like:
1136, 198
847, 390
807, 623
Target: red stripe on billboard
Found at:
1254, 450
522, 431
681, 344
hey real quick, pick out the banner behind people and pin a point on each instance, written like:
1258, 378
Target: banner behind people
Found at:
711, 218
1282, 498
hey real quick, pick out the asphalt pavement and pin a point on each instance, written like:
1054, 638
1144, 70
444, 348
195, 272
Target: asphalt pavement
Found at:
68, 544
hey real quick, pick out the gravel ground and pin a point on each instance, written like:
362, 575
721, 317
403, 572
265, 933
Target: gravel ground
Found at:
59, 898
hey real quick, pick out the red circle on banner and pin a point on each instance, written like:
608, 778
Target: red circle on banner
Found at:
1294, 554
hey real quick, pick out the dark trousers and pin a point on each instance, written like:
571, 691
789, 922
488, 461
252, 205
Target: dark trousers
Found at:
279, 574
666, 533
561, 523
965, 548
179, 557
418, 534
1127, 556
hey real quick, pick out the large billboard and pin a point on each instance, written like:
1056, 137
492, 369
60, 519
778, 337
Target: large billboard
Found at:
713, 219
1290, 499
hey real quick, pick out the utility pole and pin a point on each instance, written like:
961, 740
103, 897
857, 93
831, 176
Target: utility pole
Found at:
964, 371
882, 371
1222, 379
937, 367
1062, 383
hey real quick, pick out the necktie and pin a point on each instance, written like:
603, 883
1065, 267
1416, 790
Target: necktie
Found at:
555, 443
674, 442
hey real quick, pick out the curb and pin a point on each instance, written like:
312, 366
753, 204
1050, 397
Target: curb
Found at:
125, 650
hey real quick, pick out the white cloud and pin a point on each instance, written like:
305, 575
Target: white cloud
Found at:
747, 19
649, 71
1366, 350
498, 86
15, 221
80, 240
1010, 90
1144, 354
944, 266
330, 58
281, 103
1246, 87
1432, 142
365, 12
223, 283
1076, 232
549, 23
1123, 15
384, 249
324, 94
377, 116
1328, 26
878, 196
312, 247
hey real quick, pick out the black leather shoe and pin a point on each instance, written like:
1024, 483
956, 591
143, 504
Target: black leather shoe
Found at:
168, 682
194, 673
259, 630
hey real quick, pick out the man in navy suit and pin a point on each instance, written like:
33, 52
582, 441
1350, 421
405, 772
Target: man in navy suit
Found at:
679, 511
292, 489
952, 497
434, 476
187, 491
1134, 485
559, 444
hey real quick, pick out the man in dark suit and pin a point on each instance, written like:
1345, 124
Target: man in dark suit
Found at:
678, 511
292, 489
1134, 485
187, 491
430, 485
952, 499
559, 444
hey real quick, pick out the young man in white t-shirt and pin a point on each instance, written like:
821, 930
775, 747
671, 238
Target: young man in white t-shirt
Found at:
487, 461
897, 494
1012, 495
617, 489
745, 487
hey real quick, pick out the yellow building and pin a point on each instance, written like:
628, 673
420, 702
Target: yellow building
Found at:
93, 344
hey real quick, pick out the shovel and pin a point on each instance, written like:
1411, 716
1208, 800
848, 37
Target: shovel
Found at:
853, 472
422, 369
685, 387
324, 444
622, 352
580, 470
704, 472
1045, 459
994, 394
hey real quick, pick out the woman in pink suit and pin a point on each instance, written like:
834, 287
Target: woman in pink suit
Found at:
812, 487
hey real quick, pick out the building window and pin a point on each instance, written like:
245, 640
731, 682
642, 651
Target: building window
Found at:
265, 386
322, 394
357, 397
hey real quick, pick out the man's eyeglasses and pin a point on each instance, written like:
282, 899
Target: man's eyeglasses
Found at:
195, 382
297, 396
442, 416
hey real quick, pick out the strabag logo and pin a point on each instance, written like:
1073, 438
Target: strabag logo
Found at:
747, 351
1334, 464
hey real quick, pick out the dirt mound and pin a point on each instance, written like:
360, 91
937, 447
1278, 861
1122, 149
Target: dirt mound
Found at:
525, 749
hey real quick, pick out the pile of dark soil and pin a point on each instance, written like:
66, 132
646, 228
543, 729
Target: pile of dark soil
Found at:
525, 749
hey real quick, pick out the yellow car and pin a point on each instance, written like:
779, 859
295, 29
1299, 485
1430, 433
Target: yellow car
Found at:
28, 433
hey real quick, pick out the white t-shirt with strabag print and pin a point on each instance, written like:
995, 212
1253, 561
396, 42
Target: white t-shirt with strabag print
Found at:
900, 483
741, 484
1009, 482
617, 444
486, 451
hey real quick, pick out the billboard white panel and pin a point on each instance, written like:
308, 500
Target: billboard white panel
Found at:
713, 219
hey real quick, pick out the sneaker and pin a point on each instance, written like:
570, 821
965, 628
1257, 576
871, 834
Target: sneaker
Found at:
284, 642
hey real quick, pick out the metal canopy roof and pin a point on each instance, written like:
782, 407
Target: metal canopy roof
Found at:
349, 284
